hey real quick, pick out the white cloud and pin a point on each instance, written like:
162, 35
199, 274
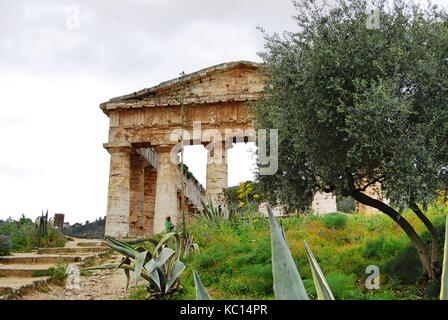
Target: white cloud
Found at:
52, 79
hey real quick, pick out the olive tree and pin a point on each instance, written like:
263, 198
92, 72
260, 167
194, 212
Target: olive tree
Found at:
359, 94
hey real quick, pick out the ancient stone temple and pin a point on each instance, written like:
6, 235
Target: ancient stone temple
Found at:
145, 135
144, 140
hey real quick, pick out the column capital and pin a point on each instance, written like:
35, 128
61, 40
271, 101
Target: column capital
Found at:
163, 148
124, 147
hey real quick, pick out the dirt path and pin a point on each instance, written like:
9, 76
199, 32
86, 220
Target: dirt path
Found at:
100, 285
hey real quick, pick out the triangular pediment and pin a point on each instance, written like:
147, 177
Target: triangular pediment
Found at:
227, 81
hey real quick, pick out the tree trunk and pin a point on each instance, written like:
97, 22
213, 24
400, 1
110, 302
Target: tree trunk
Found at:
403, 223
431, 229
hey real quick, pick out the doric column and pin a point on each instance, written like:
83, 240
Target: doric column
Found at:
216, 174
324, 203
166, 189
117, 219
150, 181
136, 216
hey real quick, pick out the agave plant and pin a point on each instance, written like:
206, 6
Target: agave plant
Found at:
444, 284
215, 213
288, 284
161, 267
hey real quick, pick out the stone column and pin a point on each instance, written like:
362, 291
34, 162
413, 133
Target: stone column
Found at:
150, 181
117, 219
216, 175
324, 203
136, 195
166, 189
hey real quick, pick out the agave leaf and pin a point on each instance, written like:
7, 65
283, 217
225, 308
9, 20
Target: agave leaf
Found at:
322, 288
124, 250
176, 270
150, 266
201, 292
444, 284
142, 241
179, 246
128, 278
195, 248
288, 284
125, 260
139, 261
164, 255
121, 243
165, 239
159, 261
103, 267
155, 277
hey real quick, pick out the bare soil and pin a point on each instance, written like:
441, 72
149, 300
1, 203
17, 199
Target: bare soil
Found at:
99, 285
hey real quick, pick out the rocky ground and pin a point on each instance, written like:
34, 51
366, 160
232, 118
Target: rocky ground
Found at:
97, 285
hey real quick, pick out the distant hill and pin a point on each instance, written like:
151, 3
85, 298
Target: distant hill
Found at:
88, 230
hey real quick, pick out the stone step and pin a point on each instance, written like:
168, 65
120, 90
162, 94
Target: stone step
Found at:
90, 244
12, 286
23, 270
39, 259
71, 250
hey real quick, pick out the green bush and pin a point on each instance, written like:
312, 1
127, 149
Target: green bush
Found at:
382, 248
343, 286
23, 234
335, 220
406, 266
57, 273
5, 245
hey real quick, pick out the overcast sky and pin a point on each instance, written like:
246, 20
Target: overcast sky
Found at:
60, 59
55, 70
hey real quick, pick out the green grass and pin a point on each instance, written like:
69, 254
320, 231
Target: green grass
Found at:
234, 262
235, 258
58, 273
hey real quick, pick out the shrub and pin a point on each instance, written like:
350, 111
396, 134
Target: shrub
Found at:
343, 286
406, 266
382, 248
335, 220
57, 273
5, 245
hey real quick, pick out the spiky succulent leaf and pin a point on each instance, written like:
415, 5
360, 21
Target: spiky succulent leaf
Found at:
103, 267
322, 288
288, 284
444, 284
177, 268
139, 261
125, 260
165, 239
201, 292
155, 277
121, 243
124, 250
161, 259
